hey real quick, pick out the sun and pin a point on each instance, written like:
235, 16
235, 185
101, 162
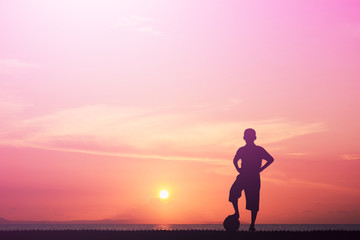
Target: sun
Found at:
164, 194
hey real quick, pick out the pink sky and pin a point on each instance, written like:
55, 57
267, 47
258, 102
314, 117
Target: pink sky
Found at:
105, 103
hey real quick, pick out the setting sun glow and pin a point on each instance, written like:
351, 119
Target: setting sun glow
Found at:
164, 194
133, 100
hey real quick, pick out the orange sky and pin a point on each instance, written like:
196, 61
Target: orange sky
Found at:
105, 103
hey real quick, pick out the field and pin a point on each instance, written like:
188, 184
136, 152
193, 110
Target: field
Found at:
174, 235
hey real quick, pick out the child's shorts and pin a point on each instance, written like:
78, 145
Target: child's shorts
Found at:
251, 186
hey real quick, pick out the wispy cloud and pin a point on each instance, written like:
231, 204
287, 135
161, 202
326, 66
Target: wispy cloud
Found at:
131, 21
148, 30
145, 133
297, 154
137, 24
6, 63
296, 182
10, 104
350, 156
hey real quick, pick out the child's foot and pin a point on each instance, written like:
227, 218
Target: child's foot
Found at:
252, 228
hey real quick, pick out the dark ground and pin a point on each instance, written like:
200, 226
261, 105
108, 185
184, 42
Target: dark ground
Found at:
175, 235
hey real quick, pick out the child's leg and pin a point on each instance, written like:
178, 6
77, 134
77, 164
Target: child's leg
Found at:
253, 218
236, 208
235, 194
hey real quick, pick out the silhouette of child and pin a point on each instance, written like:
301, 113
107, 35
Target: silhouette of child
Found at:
249, 175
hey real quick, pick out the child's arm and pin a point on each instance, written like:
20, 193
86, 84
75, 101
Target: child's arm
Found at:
269, 160
236, 160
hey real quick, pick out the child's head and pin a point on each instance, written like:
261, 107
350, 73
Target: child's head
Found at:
249, 135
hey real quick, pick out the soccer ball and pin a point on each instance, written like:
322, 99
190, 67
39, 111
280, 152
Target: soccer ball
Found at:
231, 223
